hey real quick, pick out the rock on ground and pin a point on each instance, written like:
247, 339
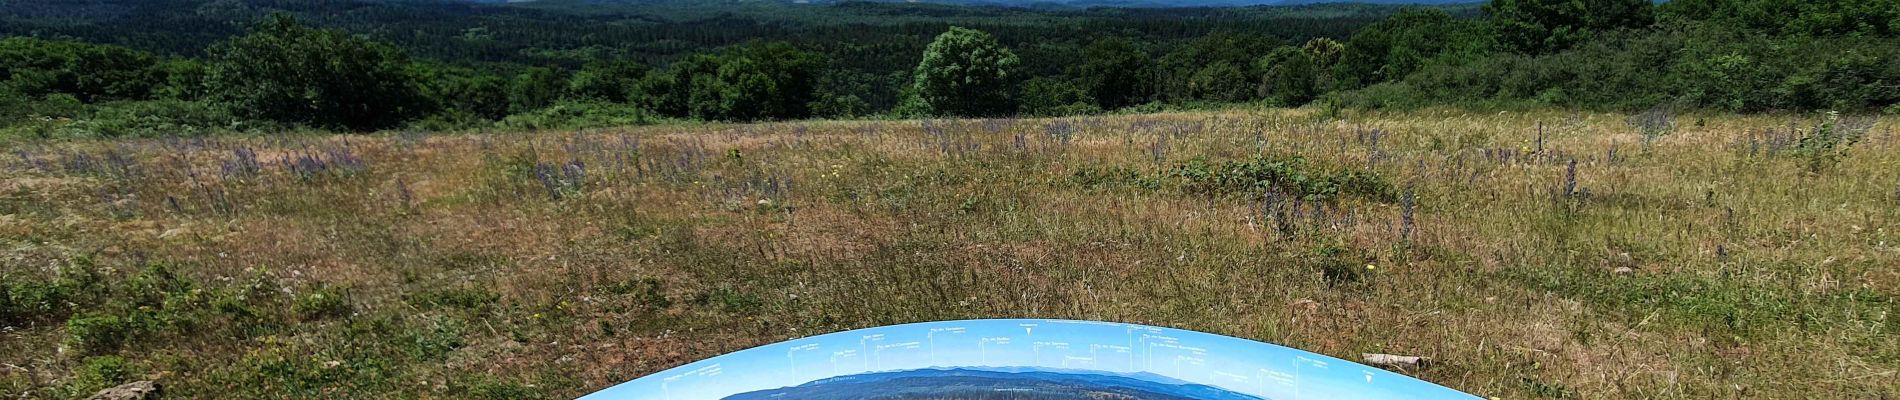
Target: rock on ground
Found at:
141, 390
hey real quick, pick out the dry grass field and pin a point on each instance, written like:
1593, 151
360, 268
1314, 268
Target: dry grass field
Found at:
1530, 255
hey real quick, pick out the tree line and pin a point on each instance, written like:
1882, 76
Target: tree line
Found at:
1593, 54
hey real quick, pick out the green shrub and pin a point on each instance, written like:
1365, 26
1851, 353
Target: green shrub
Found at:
1056, 97
283, 373
730, 300
1291, 176
246, 320
1827, 143
26, 300
578, 115
438, 338
99, 333
61, 117
102, 372
22, 302
161, 300
321, 302
160, 118
646, 292
1338, 265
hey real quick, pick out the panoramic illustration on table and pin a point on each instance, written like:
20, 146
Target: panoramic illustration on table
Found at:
1030, 358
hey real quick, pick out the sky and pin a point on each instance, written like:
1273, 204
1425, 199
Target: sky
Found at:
1237, 365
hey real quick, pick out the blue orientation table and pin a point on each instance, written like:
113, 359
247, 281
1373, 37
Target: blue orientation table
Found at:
1024, 359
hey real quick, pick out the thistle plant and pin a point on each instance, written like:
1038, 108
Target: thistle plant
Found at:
1652, 124
1062, 131
1570, 179
1828, 142
1408, 206
243, 163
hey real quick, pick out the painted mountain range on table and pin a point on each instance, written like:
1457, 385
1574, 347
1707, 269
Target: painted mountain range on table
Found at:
997, 383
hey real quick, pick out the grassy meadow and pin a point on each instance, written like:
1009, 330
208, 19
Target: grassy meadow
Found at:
1529, 255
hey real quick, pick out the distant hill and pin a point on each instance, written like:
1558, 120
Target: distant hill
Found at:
1075, 3
1426, 2
1177, 3
982, 383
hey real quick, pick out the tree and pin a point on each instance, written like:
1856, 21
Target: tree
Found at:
665, 91
283, 71
1324, 52
1545, 26
464, 91
1850, 82
1320, 56
1289, 77
1116, 73
89, 72
1220, 81
1187, 72
535, 88
612, 80
1397, 46
750, 82
965, 72
1812, 17
769, 81
184, 80
1055, 97
842, 94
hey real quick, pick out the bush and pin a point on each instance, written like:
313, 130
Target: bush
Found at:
578, 115
160, 118
1291, 176
62, 117
1826, 144
648, 293
1056, 97
428, 343
730, 300
252, 309
1339, 265
26, 301
840, 106
449, 121
283, 373
1853, 80
1386, 96
1699, 66
101, 372
321, 302
99, 333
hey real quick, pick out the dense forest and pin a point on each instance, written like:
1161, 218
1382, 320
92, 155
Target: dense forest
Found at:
86, 68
